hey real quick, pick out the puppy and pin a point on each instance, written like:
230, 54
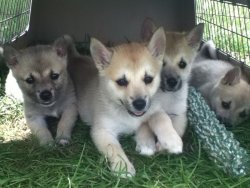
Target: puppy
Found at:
222, 86
41, 74
116, 96
181, 49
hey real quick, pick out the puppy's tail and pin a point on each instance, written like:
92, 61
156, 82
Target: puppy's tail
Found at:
208, 50
72, 51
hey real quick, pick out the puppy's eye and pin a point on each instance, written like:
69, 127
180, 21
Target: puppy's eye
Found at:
226, 105
182, 64
148, 79
243, 114
122, 82
54, 76
30, 80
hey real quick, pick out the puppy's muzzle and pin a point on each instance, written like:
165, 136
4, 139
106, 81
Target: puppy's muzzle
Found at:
224, 121
45, 96
139, 104
138, 107
171, 83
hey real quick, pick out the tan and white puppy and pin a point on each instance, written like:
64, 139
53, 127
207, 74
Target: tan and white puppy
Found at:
181, 49
41, 73
116, 96
222, 86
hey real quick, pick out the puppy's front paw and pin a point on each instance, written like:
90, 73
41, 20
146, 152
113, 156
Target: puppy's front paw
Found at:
123, 169
46, 141
170, 143
63, 141
146, 149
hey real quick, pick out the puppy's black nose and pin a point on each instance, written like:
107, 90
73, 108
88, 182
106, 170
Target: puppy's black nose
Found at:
139, 104
46, 95
172, 82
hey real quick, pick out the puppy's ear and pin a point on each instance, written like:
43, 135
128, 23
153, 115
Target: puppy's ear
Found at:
232, 77
62, 44
157, 44
100, 54
10, 54
147, 30
194, 36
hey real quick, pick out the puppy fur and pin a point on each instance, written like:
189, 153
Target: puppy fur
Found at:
41, 74
222, 86
181, 49
116, 96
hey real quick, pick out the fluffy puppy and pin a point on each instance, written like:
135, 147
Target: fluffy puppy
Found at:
181, 49
47, 89
222, 86
115, 96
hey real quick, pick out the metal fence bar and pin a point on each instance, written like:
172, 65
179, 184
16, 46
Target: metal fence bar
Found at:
227, 23
14, 19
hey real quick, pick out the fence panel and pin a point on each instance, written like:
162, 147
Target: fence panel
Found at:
227, 23
14, 19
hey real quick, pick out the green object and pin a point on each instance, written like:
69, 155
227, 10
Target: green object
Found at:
218, 142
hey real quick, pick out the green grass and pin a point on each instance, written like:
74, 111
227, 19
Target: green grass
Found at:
25, 164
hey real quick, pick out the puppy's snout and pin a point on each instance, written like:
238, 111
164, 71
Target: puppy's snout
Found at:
225, 121
139, 104
222, 119
172, 82
46, 95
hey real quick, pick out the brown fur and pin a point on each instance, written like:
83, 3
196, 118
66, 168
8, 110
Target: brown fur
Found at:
177, 45
131, 56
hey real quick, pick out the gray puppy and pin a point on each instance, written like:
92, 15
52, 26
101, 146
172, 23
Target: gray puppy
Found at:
47, 89
222, 85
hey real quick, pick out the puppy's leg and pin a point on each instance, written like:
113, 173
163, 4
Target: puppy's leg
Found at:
145, 141
180, 123
66, 124
108, 144
38, 127
167, 137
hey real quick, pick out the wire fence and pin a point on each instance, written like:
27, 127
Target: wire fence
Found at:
14, 19
227, 23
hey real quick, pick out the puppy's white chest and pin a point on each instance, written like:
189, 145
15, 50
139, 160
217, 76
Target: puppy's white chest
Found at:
54, 112
127, 125
173, 102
